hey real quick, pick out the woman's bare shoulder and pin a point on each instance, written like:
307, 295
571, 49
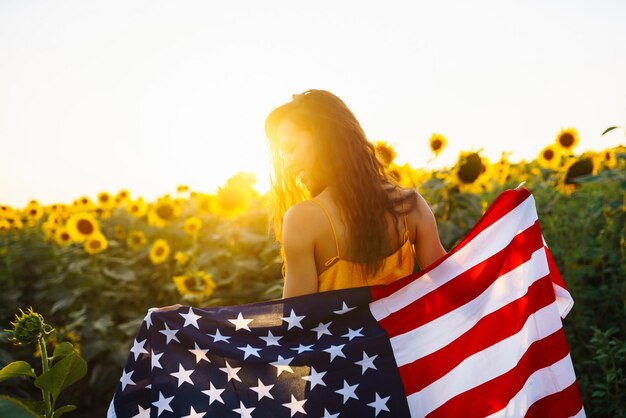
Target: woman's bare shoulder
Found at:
303, 217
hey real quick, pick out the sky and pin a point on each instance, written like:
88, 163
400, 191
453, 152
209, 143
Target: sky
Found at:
146, 95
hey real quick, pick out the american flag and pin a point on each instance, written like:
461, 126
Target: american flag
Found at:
476, 334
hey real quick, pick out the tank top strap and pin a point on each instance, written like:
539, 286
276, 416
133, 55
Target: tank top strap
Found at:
406, 225
332, 226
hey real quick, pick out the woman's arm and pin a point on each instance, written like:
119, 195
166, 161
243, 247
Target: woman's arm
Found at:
299, 247
428, 248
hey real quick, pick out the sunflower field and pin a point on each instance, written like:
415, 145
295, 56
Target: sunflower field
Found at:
92, 268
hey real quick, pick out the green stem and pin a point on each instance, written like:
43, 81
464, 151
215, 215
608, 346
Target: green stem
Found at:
45, 363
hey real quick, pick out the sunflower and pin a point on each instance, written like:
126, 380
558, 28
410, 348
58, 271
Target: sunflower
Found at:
49, 230
34, 211
437, 143
385, 152
181, 188
164, 211
5, 226
181, 258
567, 139
82, 204
136, 240
103, 213
96, 243
235, 196
607, 159
193, 225
15, 221
106, 201
122, 197
137, 208
199, 285
159, 251
549, 157
205, 203
81, 226
62, 236
119, 232
576, 167
469, 172
6, 210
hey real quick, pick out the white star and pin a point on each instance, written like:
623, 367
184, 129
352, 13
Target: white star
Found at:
295, 405
328, 415
125, 379
148, 319
302, 348
218, 337
322, 329
163, 404
352, 334
194, 414
214, 394
271, 339
334, 351
282, 365
154, 360
262, 390
169, 333
241, 322
366, 363
138, 348
249, 351
293, 320
380, 404
344, 309
199, 353
347, 392
231, 372
183, 375
315, 378
143, 413
190, 318
243, 411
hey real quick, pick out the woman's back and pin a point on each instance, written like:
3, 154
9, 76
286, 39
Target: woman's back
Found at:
335, 267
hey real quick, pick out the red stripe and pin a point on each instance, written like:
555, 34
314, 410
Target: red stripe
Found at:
488, 331
503, 204
492, 396
565, 403
465, 287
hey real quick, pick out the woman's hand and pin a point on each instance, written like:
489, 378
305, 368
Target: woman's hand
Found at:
165, 308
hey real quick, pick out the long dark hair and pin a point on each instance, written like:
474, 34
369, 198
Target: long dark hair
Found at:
349, 163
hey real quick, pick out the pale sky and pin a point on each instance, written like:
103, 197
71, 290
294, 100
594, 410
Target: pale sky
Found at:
145, 95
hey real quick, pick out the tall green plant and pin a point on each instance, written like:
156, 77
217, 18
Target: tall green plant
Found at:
59, 371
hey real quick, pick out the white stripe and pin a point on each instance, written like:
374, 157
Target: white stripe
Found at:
488, 242
581, 413
563, 299
440, 332
111, 412
543, 382
487, 364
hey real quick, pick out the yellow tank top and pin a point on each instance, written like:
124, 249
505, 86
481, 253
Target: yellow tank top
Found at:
345, 273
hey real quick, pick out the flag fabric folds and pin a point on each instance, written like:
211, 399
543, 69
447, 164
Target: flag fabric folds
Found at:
476, 334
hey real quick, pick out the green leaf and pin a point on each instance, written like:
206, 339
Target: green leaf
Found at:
17, 368
67, 371
10, 407
63, 350
124, 274
62, 410
609, 130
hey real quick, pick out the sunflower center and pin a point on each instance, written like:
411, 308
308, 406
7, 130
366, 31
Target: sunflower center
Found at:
104, 198
65, 236
165, 212
566, 140
579, 168
436, 144
159, 251
95, 244
470, 169
85, 227
548, 154
33, 212
190, 283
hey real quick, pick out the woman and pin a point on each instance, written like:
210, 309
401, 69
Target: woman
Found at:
341, 219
